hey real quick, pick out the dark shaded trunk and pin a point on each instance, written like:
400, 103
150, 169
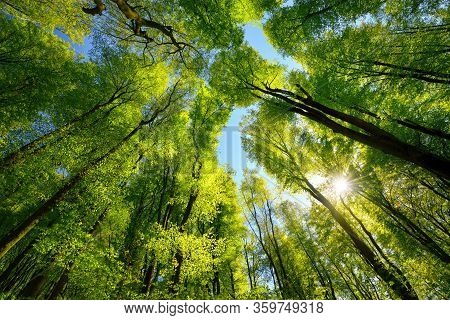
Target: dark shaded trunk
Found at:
249, 270
33, 288
371, 135
60, 285
216, 284
420, 128
233, 289
149, 276
187, 213
174, 287
131, 249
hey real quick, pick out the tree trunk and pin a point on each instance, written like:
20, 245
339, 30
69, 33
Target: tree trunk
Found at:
16, 156
15, 235
149, 276
401, 287
371, 136
409, 227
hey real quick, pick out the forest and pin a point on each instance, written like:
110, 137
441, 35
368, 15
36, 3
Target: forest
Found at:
110, 182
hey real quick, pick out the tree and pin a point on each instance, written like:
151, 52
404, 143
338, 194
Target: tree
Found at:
109, 171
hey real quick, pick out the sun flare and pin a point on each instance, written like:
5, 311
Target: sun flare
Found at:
341, 185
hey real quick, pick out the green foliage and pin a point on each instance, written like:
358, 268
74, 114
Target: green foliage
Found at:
108, 164
62, 15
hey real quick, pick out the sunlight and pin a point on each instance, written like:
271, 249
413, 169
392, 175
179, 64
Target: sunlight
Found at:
317, 180
341, 185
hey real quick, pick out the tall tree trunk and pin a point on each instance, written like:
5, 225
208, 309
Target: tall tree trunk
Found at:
249, 271
16, 156
174, 287
233, 289
149, 276
60, 285
371, 135
15, 235
405, 72
409, 227
401, 287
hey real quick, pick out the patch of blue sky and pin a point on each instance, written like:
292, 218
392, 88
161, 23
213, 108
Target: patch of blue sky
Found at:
62, 171
230, 150
287, 3
255, 36
81, 49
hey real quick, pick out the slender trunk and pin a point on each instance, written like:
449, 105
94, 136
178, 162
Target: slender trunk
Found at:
430, 131
170, 206
15, 235
434, 190
249, 271
38, 144
409, 227
149, 276
130, 249
216, 284
233, 289
401, 287
408, 72
162, 193
187, 213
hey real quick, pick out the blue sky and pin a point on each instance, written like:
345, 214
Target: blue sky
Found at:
230, 150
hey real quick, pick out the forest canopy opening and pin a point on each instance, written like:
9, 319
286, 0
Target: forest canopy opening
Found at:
109, 172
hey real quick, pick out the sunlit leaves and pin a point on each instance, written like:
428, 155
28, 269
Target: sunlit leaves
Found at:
62, 15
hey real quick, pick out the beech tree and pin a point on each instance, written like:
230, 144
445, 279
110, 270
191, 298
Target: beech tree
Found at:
111, 113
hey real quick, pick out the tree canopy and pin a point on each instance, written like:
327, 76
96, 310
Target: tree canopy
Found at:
109, 172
